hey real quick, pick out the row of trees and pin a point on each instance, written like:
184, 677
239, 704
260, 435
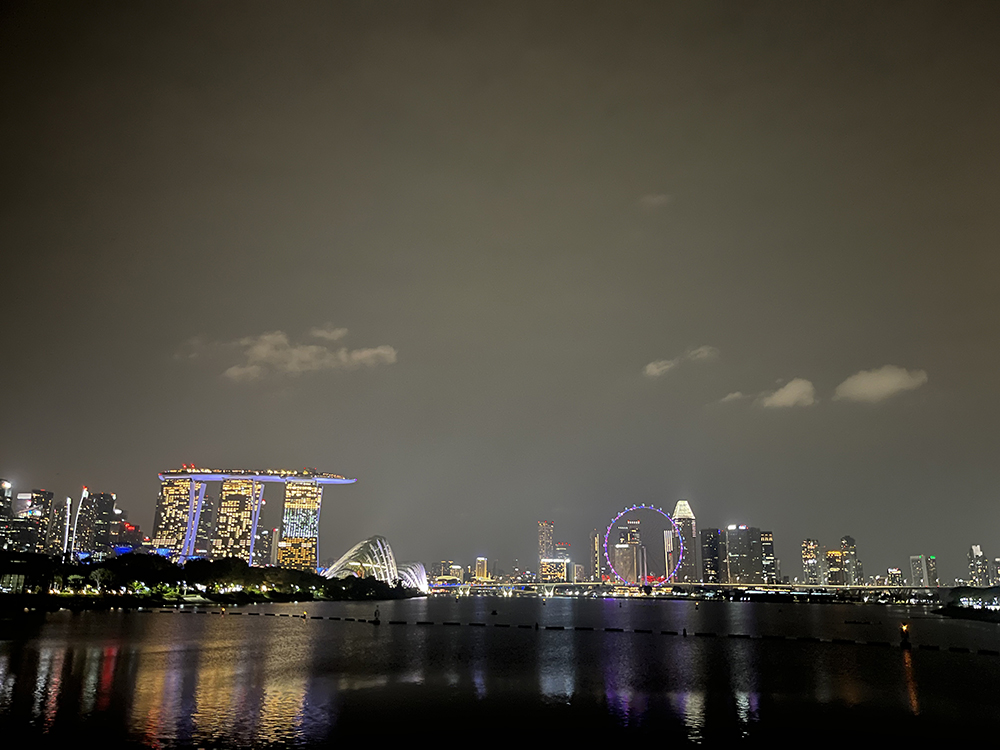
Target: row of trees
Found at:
140, 574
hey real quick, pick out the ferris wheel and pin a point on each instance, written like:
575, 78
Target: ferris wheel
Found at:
677, 533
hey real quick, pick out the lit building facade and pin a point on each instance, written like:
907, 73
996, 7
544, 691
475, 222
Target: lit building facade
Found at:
744, 563
685, 520
810, 562
482, 569
234, 525
546, 541
237, 510
172, 512
769, 563
979, 567
923, 571
836, 574
299, 545
713, 552
594, 555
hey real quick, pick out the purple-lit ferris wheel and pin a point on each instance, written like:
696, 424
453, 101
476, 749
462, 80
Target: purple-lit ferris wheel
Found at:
677, 534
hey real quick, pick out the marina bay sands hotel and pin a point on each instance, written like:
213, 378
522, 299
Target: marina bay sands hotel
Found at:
189, 523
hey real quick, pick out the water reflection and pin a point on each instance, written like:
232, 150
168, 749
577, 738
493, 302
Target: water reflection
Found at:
911, 682
209, 681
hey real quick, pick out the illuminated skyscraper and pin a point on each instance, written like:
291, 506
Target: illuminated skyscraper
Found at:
743, 554
594, 555
769, 564
684, 518
6, 500
482, 569
206, 526
233, 527
923, 571
171, 521
979, 566
563, 551
95, 526
810, 562
853, 572
546, 541
298, 547
836, 575
713, 553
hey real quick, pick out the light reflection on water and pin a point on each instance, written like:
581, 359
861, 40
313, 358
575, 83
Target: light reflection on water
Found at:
238, 680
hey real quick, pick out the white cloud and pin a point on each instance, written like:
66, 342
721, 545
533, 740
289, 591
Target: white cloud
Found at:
734, 396
796, 392
328, 332
655, 369
703, 352
273, 353
662, 366
876, 385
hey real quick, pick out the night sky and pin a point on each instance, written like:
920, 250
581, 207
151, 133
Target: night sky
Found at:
512, 261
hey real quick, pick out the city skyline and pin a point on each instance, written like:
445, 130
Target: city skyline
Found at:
510, 263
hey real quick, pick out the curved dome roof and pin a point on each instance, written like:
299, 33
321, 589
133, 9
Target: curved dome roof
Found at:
372, 557
413, 575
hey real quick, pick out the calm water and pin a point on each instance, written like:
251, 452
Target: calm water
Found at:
168, 679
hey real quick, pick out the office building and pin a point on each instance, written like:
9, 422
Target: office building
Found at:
95, 526
713, 553
6, 500
853, 571
687, 545
810, 562
836, 574
594, 553
546, 541
744, 563
562, 551
482, 569
894, 577
923, 571
979, 567
298, 547
769, 563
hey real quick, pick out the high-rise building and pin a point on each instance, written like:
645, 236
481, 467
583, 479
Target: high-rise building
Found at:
206, 526
836, 574
768, 562
713, 553
233, 527
810, 562
265, 547
894, 577
627, 561
482, 569
853, 571
546, 541
671, 550
298, 547
687, 545
95, 526
6, 500
170, 524
562, 551
744, 563
979, 567
32, 513
594, 555
923, 571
